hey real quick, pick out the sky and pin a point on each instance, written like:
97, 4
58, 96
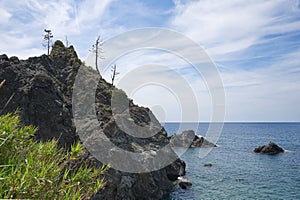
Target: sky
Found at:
255, 46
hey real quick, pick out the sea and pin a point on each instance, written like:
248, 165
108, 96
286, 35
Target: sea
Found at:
237, 172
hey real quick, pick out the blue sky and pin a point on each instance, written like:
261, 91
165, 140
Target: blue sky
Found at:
255, 45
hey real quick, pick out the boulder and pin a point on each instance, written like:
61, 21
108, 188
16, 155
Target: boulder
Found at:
184, 183
270, 149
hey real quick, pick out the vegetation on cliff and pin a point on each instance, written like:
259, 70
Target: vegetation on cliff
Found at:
37, 170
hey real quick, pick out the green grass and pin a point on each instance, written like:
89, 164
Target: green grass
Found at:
36, 170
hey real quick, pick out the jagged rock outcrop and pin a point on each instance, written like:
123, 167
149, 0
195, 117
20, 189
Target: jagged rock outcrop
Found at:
189, 139
270, 149
184, 183
42, 87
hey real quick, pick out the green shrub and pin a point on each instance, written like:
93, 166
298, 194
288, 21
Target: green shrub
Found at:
59, 43
36, 170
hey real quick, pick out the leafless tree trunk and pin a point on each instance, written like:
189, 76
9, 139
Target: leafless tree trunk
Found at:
97, 49
48, 37
114, 73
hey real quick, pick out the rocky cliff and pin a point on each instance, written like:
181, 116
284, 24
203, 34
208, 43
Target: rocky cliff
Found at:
41, 88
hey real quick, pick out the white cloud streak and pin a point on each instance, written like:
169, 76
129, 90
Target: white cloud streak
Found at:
264, 85
232, 25
266, 93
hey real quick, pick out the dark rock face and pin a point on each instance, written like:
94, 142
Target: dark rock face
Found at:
184, 183
41, 88
3, 57
36, 88
176, 170
190, 139
270, 149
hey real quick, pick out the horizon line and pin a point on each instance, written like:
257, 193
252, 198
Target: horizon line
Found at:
232, 122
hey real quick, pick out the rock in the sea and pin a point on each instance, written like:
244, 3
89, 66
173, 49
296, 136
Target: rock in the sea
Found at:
189, 139
184, 183
202, 142
270, 149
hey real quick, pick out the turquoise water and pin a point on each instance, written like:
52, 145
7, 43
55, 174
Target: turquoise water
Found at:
237, 172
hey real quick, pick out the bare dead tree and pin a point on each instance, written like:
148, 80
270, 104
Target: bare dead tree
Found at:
114, 73
48, 35
97, 49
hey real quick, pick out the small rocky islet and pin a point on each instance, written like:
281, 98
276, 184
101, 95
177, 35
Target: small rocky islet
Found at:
188, 139
270, 149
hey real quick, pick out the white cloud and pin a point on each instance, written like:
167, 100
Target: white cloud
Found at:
260, 78
4, 16
234, 25
264, 93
